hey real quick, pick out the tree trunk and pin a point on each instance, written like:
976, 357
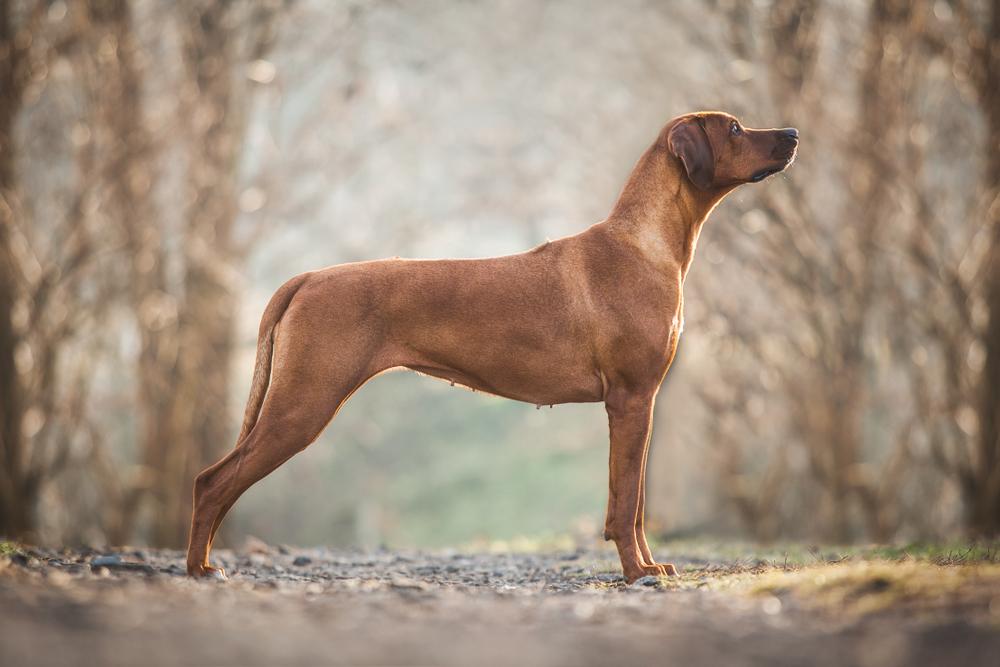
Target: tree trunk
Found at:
985, 514
882, 102
187, 339
131, 166
208, 310
215, 94
15, 505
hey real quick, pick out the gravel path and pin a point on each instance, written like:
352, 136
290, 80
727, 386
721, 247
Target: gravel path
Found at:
308, 607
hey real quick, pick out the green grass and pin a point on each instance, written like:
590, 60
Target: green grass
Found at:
9, 548
789, 555
953, 553
860, 588
849, 581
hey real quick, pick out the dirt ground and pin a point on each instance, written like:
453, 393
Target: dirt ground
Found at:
318, 606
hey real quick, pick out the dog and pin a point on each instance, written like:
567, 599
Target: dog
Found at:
591, 317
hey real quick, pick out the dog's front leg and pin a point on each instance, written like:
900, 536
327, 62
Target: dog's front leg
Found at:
629, 419
640, 530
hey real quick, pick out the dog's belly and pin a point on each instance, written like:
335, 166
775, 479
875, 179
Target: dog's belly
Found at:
533, 357
521, 384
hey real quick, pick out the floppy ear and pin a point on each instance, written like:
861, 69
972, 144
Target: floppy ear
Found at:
688, 141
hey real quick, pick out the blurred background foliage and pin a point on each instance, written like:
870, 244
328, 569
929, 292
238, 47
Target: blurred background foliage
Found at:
164, 166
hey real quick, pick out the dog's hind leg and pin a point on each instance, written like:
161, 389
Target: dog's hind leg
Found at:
225, 509
304, 395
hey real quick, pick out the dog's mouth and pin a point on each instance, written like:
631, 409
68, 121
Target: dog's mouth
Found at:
771, 171
764, 173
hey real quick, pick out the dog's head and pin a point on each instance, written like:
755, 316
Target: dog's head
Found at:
719, 153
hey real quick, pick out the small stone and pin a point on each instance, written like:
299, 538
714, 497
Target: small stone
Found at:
406, 584
107, 560
648, 580
115, 562
300, 561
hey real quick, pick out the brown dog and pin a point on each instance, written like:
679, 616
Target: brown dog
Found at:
590, 317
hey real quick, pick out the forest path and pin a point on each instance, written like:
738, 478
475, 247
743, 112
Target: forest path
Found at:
319, 606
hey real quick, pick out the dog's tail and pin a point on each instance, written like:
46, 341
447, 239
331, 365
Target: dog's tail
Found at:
265, 346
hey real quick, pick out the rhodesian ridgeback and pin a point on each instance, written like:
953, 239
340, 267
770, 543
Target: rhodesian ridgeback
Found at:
587, 318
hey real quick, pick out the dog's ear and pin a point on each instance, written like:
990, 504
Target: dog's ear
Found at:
689, 141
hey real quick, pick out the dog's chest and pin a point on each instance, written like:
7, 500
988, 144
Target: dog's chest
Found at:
677, 323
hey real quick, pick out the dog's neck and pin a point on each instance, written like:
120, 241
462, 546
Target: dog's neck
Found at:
664, 227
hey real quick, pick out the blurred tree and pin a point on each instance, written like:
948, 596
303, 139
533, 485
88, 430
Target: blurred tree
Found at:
186, 330
130, 155
220, 40
796, 264
839, 458
947, 305
979, 471
826, 270
15, 498
45, 301
986, 512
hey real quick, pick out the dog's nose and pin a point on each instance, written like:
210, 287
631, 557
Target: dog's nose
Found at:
789, 133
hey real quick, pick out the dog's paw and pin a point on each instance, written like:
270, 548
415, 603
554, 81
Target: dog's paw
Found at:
655, 570
666, 569
208, 572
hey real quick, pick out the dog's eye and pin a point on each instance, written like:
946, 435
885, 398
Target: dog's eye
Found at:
735, 129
